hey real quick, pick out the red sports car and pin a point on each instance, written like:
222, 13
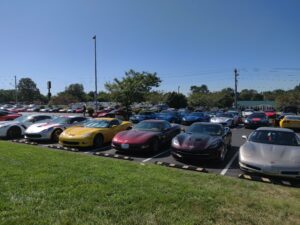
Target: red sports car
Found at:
147, 135
270, 113
4, 115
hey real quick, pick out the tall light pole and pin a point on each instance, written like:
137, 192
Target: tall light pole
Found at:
95, 94
235, 88
16, 90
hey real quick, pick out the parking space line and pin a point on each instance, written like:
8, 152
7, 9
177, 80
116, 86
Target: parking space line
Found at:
146, 160
224, 171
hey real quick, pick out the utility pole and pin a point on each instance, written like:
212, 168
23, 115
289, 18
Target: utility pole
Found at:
95, 94
16, 90
178, 89
235, 88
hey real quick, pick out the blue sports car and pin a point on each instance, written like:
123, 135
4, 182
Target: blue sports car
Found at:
146, 115
170, 116
195, 117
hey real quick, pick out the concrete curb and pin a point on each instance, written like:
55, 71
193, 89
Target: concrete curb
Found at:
115, 156
184, 167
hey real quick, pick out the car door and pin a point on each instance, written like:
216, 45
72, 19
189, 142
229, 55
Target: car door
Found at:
168, 132
115, 127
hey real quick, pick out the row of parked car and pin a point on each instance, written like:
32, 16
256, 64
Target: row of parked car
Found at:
39, 108
267, 150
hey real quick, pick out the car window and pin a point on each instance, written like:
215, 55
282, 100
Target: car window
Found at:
114, 122
166, 125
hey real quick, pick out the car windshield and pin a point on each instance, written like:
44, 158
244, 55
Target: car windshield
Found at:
292, 117
22, 119
96, 124
275, 137
149, 126
196, 114
227, 115
258, 115
210, 129
61, 120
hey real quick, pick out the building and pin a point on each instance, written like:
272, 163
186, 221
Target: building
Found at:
256, 105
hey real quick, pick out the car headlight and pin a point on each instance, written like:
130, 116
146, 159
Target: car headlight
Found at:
184, 118
175, 142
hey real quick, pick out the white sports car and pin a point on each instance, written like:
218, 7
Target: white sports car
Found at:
226, 119
16, 128
52, 129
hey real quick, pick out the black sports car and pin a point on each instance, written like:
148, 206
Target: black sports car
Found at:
257, 119
202, 140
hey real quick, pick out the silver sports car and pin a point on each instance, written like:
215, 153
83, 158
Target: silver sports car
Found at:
226, 119
271, 151
52, 129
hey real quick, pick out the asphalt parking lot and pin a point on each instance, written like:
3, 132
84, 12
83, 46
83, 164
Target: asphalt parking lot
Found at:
229, 167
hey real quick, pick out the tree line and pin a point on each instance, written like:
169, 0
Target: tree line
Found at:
135, 87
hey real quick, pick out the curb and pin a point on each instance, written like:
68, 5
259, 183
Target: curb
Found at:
25, 142
63, 148
115, 156
268, 180
185, 167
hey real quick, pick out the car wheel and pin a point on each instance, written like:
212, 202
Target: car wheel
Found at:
155, 145
222, 155
55, 135
14, 132
98, 141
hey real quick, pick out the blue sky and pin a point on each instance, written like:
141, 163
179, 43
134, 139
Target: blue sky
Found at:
189, 42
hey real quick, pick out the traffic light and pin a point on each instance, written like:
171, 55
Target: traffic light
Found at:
49, 84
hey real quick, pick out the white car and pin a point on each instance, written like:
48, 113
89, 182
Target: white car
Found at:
247, 112
16, 128
226, 119
52, 129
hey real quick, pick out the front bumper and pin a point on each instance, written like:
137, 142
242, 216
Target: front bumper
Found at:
131, 147
76, 142
270, 170
200, 154
38, 136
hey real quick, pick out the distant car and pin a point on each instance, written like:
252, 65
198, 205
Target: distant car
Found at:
271, 113
183, 112
93, 133
226, 119
257, 119
290, 121
6, 115
63, 110
247, 112
238, 118
279, 117
79, 110
52, 129
170, 116
271, 151
148, 135
70, 110
144, 115
202, 141
16, 128
195, 117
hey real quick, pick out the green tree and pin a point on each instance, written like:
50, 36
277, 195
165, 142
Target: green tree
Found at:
175, 100
133, 87
155, 97
77, 91
203, 89
104, 96
28, 91
63, 98
7, 96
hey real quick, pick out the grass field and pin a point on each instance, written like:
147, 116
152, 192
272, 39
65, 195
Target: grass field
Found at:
43, 186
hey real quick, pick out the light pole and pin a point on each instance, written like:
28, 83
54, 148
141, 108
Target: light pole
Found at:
95, 94
235, 88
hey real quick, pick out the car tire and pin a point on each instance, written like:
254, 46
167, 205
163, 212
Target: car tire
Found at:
98, 141
55, 135
222, 155
14, 132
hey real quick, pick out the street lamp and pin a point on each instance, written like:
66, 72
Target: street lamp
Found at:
95, 94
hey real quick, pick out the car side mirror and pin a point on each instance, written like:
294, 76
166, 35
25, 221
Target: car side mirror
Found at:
245, 137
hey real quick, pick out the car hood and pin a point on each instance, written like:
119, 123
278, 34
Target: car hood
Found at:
220, 119
39, 127
134, 136
267, 154
164, 116
198, 141
79, 131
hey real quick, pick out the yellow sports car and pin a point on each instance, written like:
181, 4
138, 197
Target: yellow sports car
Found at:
93, 133
290, 121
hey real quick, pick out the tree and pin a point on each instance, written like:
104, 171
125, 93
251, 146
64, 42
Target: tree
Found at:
7, 96
203, 89
28, 91
175, 100
133, 87
155, 97
103, 96
77, 91
63, 98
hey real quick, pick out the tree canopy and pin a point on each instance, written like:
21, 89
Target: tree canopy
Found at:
28, 91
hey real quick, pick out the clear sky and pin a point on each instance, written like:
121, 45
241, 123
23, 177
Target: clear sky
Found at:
187, 42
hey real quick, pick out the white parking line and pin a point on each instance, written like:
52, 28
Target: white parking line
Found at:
224, 171
146, 160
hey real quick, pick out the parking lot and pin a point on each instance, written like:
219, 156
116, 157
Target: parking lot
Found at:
229, 167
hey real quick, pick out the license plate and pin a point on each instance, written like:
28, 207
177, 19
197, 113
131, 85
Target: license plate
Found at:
124, 146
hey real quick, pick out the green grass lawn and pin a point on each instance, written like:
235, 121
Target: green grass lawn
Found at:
43, 186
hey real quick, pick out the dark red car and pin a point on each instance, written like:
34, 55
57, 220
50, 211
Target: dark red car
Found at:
147, 135
5, 115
